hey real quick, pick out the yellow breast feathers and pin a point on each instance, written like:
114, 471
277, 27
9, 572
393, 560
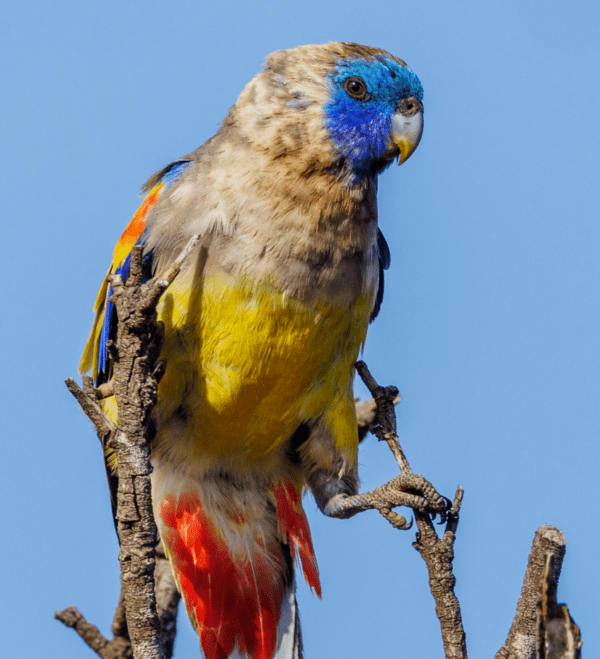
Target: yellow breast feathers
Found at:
247, 365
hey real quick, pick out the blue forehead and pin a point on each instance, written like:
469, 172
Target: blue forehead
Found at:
386, 79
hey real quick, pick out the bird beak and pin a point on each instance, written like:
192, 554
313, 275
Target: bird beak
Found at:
406, 134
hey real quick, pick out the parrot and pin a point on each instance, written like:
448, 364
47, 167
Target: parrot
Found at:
262, 330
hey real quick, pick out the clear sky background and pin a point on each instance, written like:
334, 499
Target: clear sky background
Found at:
490, 324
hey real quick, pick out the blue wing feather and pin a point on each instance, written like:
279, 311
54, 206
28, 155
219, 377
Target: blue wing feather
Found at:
109, 326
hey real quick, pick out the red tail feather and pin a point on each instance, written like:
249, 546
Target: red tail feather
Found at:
235, 601
294, 528
235, 604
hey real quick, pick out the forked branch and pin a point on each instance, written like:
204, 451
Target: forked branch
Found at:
438, 553
538, 620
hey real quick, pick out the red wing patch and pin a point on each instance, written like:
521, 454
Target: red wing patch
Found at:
136, 227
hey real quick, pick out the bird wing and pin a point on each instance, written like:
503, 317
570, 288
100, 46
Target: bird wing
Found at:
385, 259
95, 355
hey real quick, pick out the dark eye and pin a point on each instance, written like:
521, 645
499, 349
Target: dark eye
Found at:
356, 88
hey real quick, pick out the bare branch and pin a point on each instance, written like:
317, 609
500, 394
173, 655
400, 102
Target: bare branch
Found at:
136, 371
438, 553
89, 404
385, 398
521, 640
118, 648
557, 635
167, 601
173, 270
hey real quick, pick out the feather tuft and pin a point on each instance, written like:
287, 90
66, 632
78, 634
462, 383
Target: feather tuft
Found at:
295, 530
235, 604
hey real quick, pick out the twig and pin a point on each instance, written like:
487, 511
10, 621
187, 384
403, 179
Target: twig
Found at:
89, 404
167, 601
438, 553
385, 398
118, 648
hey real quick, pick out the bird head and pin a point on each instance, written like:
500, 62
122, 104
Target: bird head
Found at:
375, 112
340, 108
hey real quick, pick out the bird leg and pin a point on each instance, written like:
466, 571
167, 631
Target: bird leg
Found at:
411, 490
338, 497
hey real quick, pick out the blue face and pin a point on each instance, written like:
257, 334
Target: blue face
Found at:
364, 96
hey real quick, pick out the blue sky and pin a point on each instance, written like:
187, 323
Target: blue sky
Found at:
489, 327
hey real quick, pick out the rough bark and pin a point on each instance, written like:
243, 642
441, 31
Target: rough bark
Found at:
136, 372
438, 554
521, 640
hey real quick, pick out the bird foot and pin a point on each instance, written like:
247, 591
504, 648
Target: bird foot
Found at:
410, 490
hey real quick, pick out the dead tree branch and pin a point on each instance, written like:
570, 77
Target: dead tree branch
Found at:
521, 640
557, 635
385, 428
539, 620
118, 648
167, 601
438, 553
136, 371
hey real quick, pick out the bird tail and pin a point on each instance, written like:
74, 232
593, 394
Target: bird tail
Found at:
289, 636
232, 551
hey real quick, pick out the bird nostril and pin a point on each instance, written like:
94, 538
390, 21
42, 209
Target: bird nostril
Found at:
409, 106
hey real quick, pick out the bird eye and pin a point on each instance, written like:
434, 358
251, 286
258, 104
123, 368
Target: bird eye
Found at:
355, 88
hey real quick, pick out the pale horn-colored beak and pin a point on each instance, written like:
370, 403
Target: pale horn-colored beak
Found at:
406, 133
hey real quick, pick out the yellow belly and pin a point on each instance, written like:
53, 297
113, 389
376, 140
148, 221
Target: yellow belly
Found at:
246, 365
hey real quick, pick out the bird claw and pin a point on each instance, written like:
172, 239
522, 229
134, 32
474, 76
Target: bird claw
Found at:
410, 490
413, 491
399, 492
444, 513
